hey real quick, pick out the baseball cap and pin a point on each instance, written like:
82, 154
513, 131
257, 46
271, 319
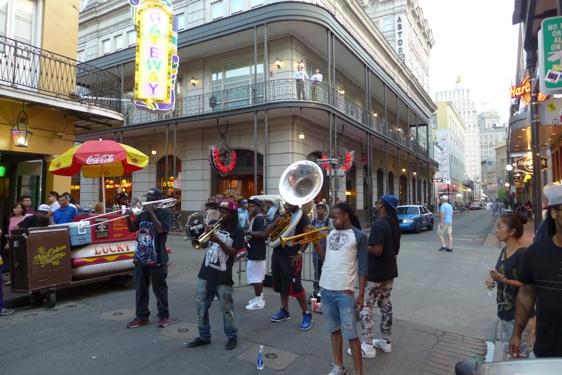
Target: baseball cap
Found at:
44, 208
321, 204
153, 193
228, 204
445, 197
391, 200
255, 201
552, 195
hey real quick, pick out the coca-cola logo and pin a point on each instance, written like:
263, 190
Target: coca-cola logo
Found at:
100, 159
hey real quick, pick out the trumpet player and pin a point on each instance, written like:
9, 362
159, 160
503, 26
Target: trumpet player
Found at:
151, 259
286, 267
215, 276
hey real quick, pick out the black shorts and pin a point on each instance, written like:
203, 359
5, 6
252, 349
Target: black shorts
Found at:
286, 277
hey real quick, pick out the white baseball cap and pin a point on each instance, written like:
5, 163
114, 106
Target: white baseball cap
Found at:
552, 195
44, 208
445, 197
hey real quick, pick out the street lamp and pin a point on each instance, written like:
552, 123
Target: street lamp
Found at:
509, 167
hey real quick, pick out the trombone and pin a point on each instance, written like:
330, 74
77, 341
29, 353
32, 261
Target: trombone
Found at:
311, 236
200, 241
136, 206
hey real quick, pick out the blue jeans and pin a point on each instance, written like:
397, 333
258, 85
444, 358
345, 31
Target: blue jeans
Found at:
338, 309
204, 294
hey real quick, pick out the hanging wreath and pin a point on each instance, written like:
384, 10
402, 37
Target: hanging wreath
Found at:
223, 161
325, 164
347, 161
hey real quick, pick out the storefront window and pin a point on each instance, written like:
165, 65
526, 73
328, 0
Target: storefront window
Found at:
169, 179
240, 183
231, 83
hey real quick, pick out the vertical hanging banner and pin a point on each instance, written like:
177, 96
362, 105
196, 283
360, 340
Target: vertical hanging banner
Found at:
156, 62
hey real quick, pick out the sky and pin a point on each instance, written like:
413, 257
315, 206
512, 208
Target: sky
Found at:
474, 39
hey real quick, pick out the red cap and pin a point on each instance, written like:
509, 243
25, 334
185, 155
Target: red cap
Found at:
228, 204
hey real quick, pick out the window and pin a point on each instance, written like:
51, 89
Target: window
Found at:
131, 38
236, 6
180, 19
217, 10
118, 42
106, 46
18, 20
80, 55
256, 3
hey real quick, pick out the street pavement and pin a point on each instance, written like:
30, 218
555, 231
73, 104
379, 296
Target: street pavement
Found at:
442, 313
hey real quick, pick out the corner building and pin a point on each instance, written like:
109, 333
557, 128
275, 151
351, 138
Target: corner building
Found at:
236, 85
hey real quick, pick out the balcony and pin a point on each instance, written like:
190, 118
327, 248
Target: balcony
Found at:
33, 74
283, 90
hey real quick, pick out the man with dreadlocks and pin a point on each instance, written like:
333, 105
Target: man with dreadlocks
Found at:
384, 244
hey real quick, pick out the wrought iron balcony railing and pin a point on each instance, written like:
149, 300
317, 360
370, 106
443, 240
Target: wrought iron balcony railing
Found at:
277, 91
31, 68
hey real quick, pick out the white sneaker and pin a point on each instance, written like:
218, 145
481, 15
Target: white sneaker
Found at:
257, 304
367, 351
383, 345
337, 370
252, 300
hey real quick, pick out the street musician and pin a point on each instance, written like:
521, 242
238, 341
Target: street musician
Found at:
286, 267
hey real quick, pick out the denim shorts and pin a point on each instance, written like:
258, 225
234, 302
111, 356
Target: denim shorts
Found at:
338, 310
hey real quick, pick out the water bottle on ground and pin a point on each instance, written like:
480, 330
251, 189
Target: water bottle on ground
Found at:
260, 358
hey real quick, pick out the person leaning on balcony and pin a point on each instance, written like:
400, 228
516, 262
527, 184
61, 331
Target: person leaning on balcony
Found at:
316, 80
300, 77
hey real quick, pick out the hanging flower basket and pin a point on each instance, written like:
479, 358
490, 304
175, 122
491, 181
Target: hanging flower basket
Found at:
223, 161
344, 165
325, 163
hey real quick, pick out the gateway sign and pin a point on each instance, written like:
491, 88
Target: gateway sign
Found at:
156, 62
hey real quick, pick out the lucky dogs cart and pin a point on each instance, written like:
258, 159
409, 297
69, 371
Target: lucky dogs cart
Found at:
92, 247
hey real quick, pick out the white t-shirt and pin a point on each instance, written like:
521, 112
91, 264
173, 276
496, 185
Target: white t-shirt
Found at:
346, 254
55, 206
301, 74
317, 77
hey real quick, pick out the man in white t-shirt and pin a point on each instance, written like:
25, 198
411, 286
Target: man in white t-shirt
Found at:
344, 259
316, 80
300, 77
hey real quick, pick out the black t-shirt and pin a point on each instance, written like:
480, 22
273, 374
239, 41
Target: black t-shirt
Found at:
33, 221
217, 265
507, 294
256, 248
293, 250
151, 246
383, 267
542, 266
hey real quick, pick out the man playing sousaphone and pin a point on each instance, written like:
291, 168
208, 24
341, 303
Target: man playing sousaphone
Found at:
286, 266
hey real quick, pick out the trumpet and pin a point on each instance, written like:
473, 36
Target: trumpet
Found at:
137, 205
200, 241
311, 236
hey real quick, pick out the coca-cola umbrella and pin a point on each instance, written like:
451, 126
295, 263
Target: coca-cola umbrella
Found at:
101, 159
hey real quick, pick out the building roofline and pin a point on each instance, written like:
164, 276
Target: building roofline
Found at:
295, 11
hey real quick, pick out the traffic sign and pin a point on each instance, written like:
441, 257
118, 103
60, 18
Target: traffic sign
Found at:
550, 55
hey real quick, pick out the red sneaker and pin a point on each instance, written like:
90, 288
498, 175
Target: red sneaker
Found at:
136, 323
163, 323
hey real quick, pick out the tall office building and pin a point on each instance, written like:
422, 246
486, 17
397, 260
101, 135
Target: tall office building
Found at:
466, 108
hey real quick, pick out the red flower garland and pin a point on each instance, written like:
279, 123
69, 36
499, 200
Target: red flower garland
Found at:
325, 164
216, 160
348, 161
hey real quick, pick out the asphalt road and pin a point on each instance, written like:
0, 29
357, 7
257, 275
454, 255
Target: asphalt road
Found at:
85, 333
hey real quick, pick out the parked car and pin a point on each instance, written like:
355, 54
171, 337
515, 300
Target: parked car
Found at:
414, 218
476, 206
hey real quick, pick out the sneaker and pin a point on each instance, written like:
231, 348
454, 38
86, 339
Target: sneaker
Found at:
337, 370
198, 342
306, 321
6, 312
231, 343
257, 303
281, 315
367, 351
136, 323
442, 248
450, 250
384, 345
163, 323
